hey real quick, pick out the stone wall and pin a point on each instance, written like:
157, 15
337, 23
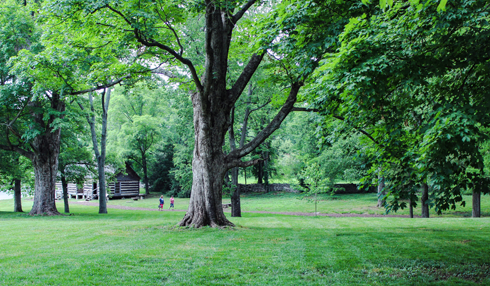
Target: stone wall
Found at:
259, 188
343, 188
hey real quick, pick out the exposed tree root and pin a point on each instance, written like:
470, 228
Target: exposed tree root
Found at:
44, 212
200, 220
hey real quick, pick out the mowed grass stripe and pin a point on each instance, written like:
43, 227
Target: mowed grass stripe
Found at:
128, 247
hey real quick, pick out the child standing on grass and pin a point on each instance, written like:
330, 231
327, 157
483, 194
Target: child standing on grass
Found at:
160, 207
171, 203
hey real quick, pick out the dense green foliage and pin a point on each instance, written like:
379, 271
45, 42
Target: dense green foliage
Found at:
414, 79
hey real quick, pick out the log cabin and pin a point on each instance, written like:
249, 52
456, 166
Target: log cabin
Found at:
127, 185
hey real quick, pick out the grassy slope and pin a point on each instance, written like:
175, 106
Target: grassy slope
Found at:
144, 248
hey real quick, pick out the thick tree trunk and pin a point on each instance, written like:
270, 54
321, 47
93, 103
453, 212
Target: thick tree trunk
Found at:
45, 169
212, 106
64, 186
381, 192
425, 200
205, 205
208, 167
476, 204
17, 196
45, 162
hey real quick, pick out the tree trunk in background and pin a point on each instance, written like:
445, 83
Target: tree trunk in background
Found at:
145, 173
17, 196
265, 172
381, 192
236, 210
476, 211
64, 187
424, 200
106, 96
411, 208
260, 173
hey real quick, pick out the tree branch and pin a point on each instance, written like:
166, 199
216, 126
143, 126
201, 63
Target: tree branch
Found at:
17, 149
241, 164
110, 84
269, 129
245, 77
339, 118
242, 11
152, 43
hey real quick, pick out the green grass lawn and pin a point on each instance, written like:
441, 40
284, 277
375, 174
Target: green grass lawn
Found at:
289, 202
145, 248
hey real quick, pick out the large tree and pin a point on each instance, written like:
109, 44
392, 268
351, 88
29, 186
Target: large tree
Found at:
302, 33
29, 117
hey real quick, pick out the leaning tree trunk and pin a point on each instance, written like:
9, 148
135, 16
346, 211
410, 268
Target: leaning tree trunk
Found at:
425, 200
17, 196
64, 187
476, 204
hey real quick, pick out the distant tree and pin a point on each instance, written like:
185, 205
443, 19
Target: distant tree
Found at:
137, 114
14, 169
161, 178
75, 161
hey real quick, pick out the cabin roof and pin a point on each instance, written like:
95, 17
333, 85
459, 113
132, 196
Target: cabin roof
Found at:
131, 174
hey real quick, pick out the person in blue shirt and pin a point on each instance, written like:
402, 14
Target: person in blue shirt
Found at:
160, 207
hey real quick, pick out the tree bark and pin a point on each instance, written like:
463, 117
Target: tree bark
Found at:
424, 200
476, 211
381, 192
45, 168
145, 173
212, 106
208, 166
64, 186
17, 196
44, 158
236, 210
260, 173
106, 96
